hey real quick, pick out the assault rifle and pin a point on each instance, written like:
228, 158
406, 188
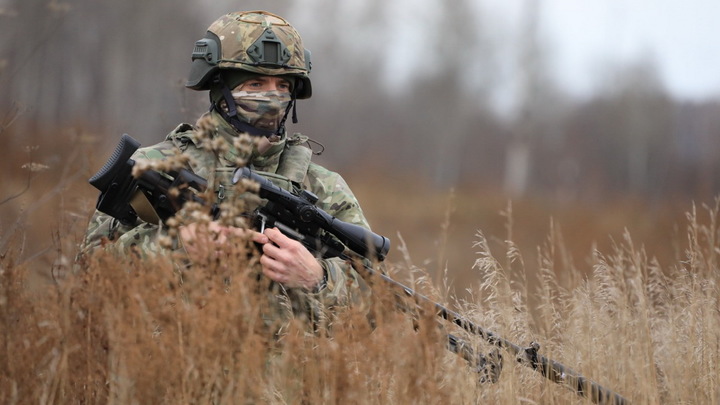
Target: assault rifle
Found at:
299, 218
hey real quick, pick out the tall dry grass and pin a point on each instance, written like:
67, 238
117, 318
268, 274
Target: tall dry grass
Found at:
128, 331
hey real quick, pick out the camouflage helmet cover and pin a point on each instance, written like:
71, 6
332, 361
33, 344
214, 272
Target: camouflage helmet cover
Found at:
253, 41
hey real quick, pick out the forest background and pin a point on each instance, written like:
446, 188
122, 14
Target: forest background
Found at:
418, 135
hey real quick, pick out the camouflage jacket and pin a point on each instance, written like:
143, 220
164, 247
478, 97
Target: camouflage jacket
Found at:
286, 163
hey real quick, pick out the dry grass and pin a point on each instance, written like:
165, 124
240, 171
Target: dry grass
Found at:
124, 331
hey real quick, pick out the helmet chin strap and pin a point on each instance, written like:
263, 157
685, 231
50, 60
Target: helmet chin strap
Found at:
293, 105
231, 116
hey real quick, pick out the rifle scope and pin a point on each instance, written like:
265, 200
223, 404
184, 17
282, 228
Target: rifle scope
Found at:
360, 240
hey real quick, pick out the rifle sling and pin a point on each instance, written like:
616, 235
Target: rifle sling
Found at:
143, 208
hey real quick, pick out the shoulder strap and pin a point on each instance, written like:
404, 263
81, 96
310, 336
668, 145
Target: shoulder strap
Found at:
185, 139
202, 162
295, 159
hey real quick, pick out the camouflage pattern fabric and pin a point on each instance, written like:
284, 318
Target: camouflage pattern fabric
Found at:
286, 163
261, 109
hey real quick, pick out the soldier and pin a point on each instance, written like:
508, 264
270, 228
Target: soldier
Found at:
255, 67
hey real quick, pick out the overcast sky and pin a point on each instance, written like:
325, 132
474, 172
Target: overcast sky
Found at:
682, 37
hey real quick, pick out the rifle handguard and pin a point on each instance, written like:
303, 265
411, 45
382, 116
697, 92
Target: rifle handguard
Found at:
358, 239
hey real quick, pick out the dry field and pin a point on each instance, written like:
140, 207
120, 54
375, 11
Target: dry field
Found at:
626, 294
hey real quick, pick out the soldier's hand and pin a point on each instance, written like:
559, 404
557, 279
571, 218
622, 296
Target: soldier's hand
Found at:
287, 261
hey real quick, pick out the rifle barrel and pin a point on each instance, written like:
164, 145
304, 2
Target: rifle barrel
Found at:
550, 369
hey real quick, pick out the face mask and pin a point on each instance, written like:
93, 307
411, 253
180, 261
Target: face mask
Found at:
261, 109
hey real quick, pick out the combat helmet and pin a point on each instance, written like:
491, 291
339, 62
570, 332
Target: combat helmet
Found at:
257, 42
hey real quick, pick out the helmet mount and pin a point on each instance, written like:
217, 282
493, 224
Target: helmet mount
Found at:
206, 49
269, 50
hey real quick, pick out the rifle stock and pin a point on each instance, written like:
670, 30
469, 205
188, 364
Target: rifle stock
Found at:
118, 187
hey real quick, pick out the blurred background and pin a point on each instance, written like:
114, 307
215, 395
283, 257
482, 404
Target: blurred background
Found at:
446, 118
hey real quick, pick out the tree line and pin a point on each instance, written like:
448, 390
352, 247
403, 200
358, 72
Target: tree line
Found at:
397, 88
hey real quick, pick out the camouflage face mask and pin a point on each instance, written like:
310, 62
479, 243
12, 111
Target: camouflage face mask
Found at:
261, 109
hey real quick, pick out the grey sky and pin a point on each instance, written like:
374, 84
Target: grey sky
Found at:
682, 37
584, 42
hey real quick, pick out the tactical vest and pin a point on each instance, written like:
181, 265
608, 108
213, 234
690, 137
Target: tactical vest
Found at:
291, 172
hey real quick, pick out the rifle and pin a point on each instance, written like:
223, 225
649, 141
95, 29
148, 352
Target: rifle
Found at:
299, 218
296, 216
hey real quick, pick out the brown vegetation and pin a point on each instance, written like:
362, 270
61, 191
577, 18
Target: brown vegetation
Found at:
125, 331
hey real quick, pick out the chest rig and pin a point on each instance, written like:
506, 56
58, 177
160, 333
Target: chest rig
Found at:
287, 171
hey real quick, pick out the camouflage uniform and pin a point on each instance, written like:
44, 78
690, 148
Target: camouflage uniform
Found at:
283, 165
236, 47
